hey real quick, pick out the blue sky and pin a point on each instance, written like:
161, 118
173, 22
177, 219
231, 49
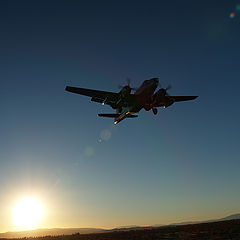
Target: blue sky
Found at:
182, 164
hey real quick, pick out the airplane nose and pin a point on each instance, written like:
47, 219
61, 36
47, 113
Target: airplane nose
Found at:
156, 81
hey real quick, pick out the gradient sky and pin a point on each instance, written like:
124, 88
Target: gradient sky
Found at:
180, 165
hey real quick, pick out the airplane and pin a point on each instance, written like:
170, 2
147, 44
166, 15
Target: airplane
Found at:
127, 104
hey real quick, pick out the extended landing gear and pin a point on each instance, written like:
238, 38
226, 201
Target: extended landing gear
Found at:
155, 111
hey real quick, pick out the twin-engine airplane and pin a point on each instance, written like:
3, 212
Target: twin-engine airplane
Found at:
127, 103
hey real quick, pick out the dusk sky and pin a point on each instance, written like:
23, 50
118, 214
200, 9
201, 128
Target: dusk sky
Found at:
181, 165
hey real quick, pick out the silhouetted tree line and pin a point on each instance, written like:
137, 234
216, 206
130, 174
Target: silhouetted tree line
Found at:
224, 230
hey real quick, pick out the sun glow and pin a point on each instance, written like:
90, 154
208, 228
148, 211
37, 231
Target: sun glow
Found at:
27, 213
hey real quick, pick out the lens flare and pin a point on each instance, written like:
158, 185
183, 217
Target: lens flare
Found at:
232, 15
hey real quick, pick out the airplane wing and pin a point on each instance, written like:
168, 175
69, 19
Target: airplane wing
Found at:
182, 98
97, 95
171, 99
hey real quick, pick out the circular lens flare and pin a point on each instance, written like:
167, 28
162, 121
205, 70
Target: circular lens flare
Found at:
232, 15
28, 213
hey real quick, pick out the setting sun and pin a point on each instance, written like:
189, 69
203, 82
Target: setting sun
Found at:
27, 213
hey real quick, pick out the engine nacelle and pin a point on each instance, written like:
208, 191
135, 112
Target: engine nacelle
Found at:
159, 95
169, 103
125, 91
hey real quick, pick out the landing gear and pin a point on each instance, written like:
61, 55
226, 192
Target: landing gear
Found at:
147, 107
155, 111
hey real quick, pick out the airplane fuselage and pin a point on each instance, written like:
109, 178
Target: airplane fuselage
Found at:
143, 97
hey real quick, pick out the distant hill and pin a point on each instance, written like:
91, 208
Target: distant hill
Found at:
50, 232
231, 217
228, 229
70, 231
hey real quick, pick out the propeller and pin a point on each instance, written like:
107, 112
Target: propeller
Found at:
165, 89
168, 87
127, 86
128, 81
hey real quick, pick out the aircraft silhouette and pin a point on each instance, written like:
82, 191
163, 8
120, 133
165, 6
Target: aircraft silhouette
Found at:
127, 104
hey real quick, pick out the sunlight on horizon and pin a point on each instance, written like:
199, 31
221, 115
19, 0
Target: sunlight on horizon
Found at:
28, 213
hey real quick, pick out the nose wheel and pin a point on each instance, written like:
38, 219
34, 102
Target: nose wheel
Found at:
155, 111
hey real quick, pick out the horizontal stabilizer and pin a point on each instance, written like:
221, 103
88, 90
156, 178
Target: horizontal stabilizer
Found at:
131, 116
183, 98
110, 115
115, 115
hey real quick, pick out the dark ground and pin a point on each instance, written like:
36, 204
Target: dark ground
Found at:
215, 231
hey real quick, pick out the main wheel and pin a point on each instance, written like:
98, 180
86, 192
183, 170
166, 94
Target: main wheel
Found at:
155, 111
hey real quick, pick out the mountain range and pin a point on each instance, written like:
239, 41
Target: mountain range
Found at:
231, 217
69, 231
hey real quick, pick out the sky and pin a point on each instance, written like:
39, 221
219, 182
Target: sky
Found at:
181, 165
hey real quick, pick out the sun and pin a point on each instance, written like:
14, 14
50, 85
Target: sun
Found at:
28, 213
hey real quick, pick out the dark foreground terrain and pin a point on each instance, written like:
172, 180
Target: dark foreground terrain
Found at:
216, 230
